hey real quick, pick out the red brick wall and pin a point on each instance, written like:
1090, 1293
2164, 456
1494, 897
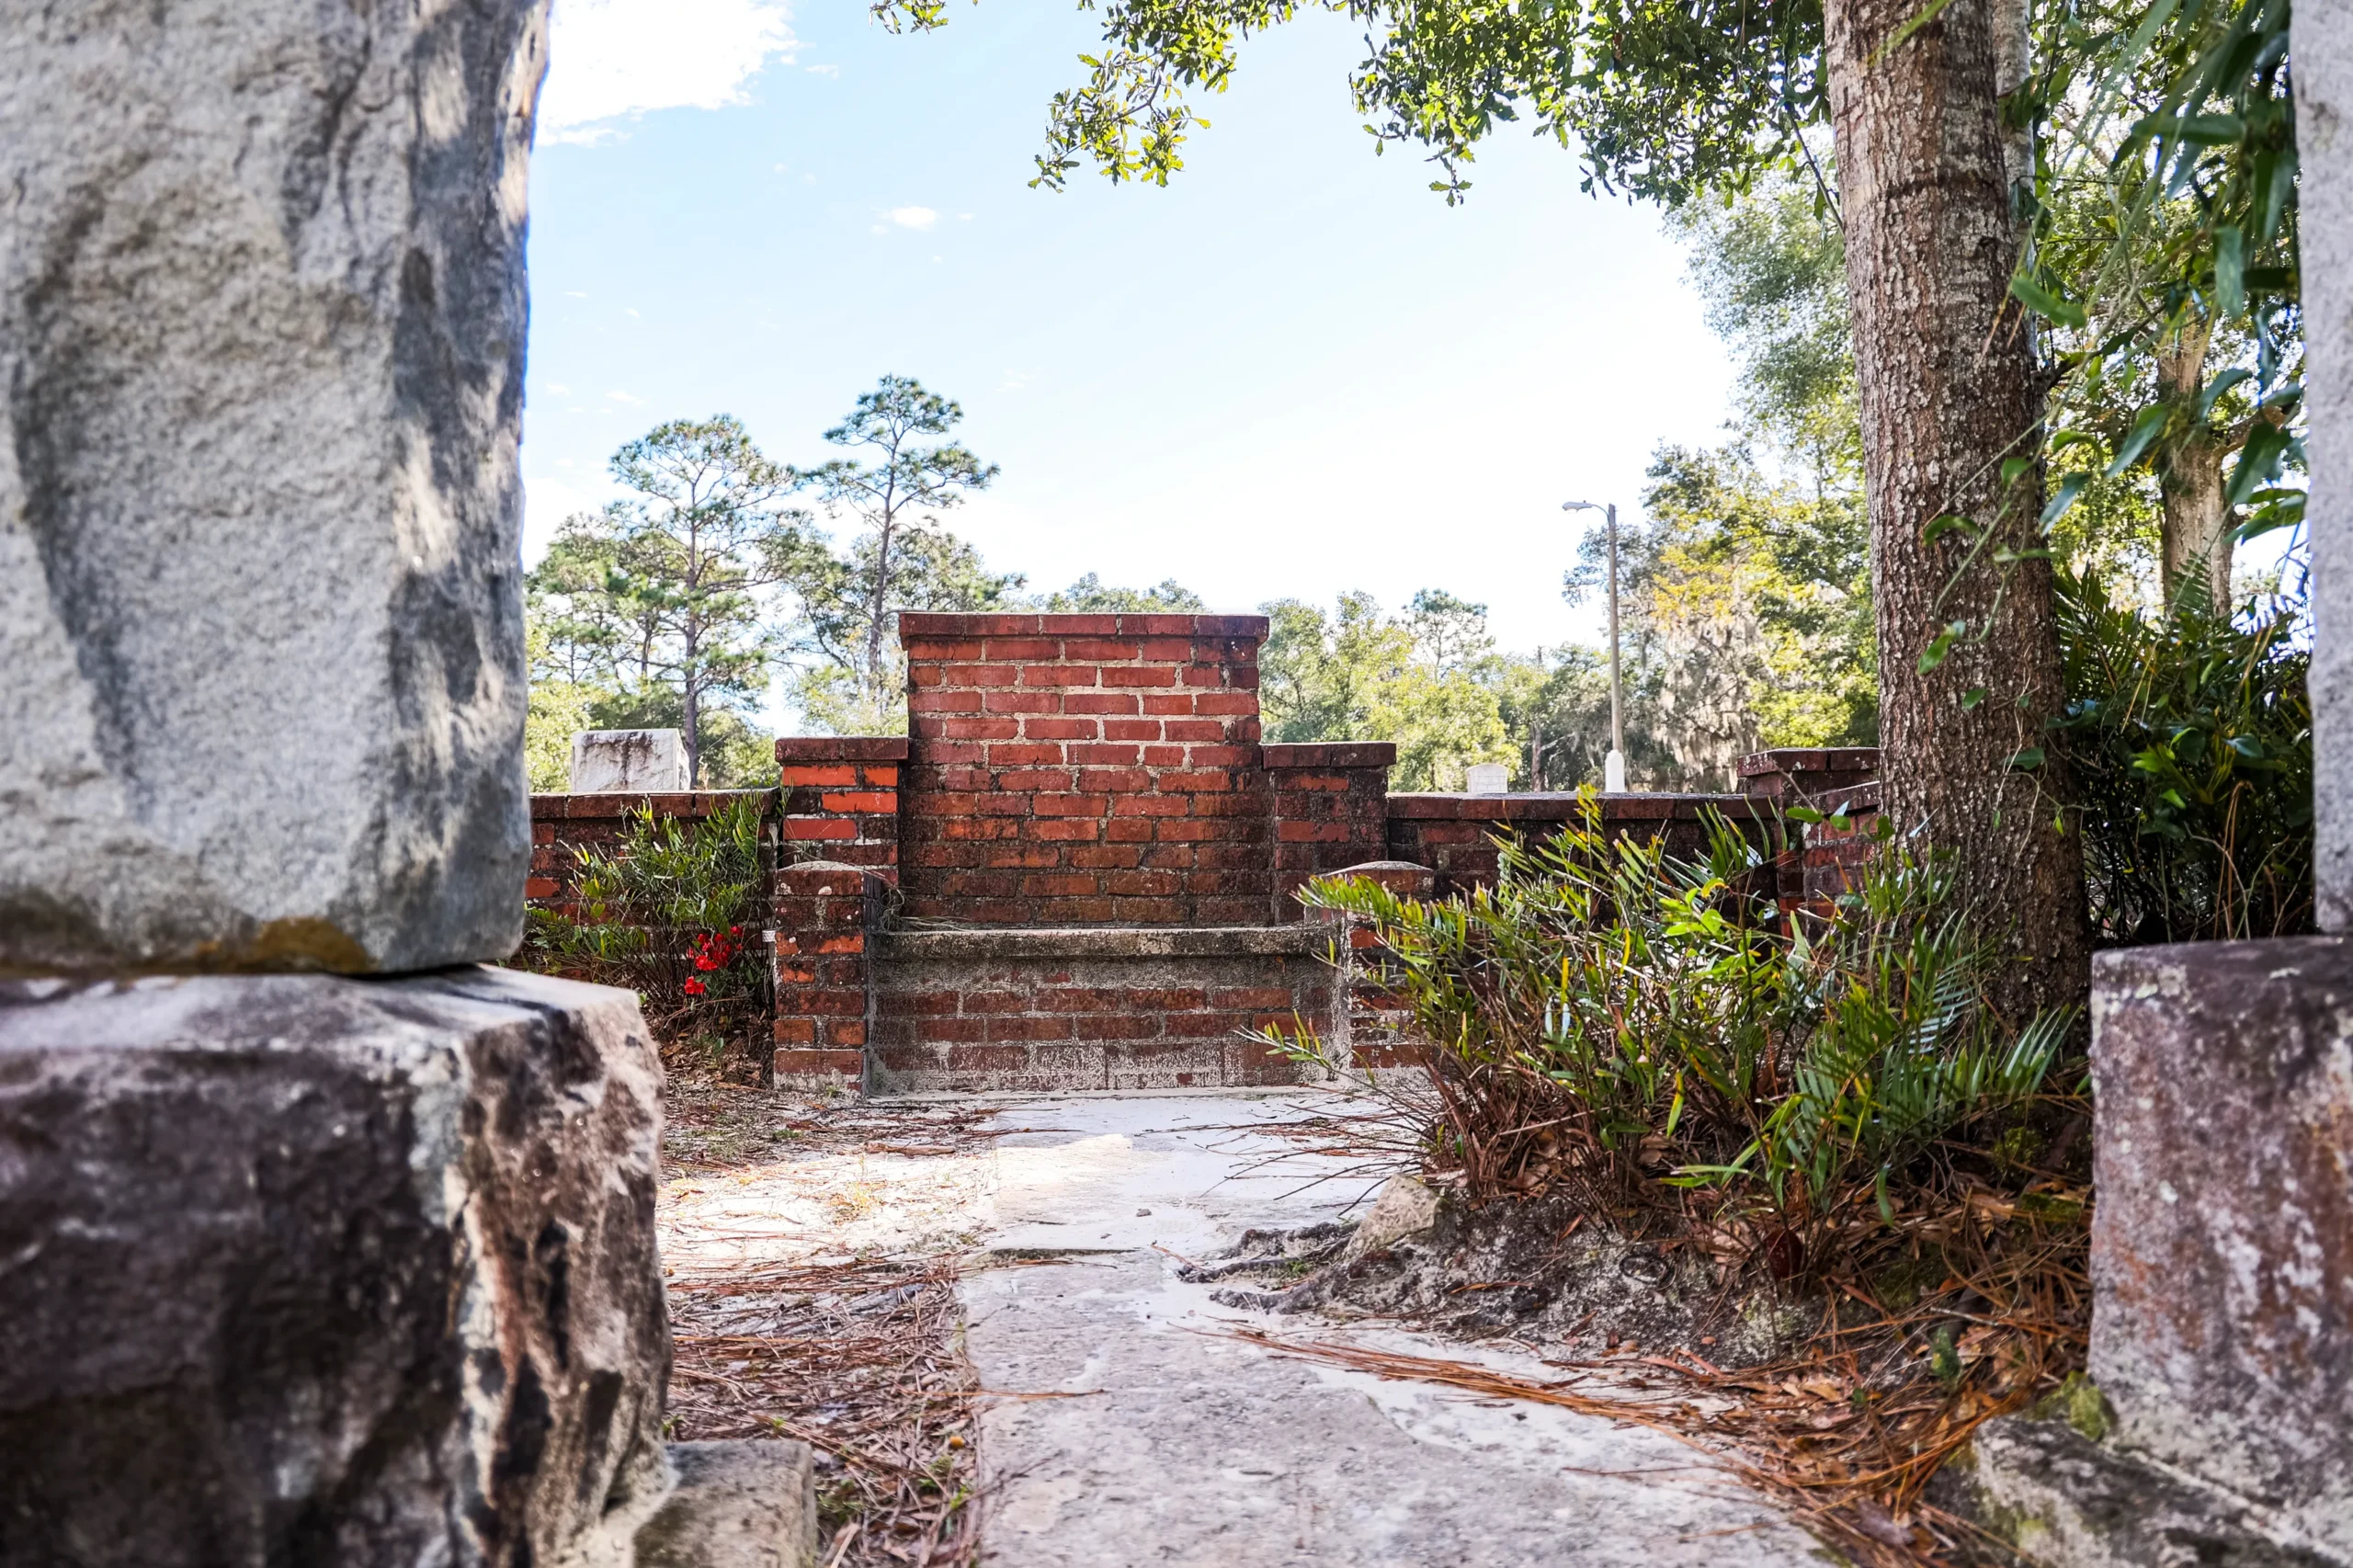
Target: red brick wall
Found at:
1795, 775
1372, 1023
1836, 853
1084, 770
1819, 862
1454, 835
825, 916
840, 800
1092, 1009
1331, 806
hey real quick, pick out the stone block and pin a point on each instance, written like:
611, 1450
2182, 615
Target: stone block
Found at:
2067, 1501
609, 761
2323, 55
2222, 1240
261, 377
738, 1504
1405, 1207
302, 1268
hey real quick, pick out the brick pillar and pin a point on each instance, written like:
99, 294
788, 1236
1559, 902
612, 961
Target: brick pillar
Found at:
1331, 810
1796, 775
827, 917
841, 799
1820, 860
1368, 1021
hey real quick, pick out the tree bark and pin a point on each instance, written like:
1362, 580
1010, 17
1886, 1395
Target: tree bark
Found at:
1949, 389
2195, 524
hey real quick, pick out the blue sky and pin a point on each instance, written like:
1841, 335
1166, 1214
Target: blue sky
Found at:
1293, 371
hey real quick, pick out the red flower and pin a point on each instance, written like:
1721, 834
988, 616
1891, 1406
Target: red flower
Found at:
694, 987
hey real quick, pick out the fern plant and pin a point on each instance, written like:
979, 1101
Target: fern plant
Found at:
1635, 1025
674, 912
2188, 739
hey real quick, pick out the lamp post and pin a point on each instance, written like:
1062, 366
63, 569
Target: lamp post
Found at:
1613, 768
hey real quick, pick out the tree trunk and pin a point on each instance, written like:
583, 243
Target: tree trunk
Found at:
1948, 388
2195, 525
873, 682
693, 707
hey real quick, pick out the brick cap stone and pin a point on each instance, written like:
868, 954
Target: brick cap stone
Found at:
1810, 759
798, 869
1331, 754
609, 805
916, 624
841, 748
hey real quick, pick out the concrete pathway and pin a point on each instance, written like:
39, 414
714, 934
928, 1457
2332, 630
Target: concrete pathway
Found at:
1181, 1445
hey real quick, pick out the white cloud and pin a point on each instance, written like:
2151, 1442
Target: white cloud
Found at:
608, 59
914, 217
546, 502
624, 397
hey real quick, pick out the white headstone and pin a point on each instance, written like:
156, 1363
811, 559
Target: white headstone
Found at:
638, 761
1487, 778
261, 386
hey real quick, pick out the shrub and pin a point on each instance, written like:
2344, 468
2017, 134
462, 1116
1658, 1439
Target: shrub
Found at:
673, 911
1642, 1027
2189, 741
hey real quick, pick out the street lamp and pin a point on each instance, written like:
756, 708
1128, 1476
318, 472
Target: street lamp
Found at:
1613, 768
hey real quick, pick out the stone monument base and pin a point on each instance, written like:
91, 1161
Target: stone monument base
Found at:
298, 1268
2064, 1500
2216, 1427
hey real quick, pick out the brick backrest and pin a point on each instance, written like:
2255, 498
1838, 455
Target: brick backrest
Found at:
1084, 770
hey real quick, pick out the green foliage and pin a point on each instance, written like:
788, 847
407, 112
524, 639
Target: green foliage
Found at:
558, 710
836, 688
1659, 100
1361, 674
1618, 1018
1089, 596
902, 560
2187, 735
2163, 256
1772, 267
1748, 616
1746, 585
673, 911
658, 596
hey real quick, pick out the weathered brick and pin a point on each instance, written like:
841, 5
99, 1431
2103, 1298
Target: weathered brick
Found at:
1065, 674
1036, 702
830, 773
